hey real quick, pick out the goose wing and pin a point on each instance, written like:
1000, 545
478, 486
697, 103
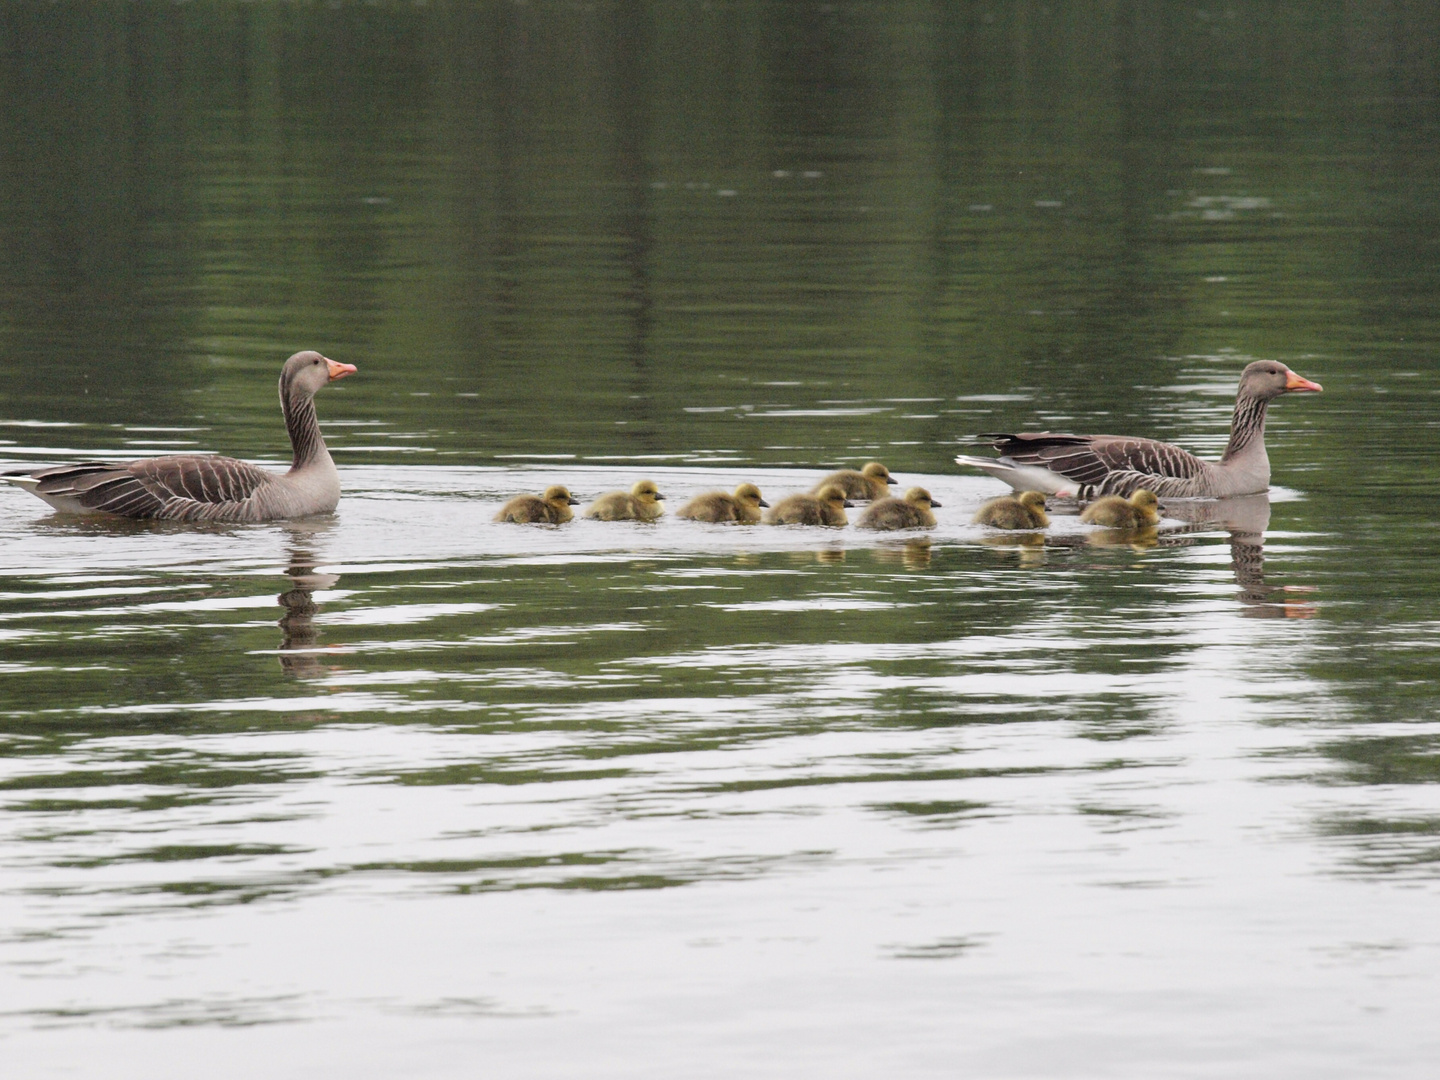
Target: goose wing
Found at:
1100, 463
183, 486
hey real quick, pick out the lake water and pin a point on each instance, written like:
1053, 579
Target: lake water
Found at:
406, 792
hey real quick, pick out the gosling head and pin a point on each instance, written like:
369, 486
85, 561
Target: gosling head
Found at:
646, 491
749, 494
306, 372
920, 497
876, 471
560, 495
834, 495
1144, 499
1035, 500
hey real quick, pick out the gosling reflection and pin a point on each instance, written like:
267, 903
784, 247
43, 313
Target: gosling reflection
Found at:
912, 554
300, 639
1246, 518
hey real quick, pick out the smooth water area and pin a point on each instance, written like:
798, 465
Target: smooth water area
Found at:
403, 791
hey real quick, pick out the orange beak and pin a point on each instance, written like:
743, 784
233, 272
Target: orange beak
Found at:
1299, 382
339, 371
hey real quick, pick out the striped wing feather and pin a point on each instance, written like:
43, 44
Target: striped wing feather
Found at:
182, 487
1103, 463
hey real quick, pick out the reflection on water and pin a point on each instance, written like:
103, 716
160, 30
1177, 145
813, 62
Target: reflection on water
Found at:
300, 640
533, 797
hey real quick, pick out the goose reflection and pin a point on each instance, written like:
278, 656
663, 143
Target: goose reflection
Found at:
1246, 518
299, 637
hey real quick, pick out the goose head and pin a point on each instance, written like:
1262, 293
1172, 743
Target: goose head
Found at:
306, 372
559, 495
834, 495
1032, 500
749, 494
1267, 379
920, 497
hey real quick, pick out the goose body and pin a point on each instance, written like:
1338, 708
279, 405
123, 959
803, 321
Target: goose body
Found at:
204, 487
1025, 511
744, 506
871, 482
640, 503
825, 508
551, 508
1137, 512
911, 512
1085, 466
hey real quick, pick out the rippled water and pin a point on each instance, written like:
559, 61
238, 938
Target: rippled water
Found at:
403, 791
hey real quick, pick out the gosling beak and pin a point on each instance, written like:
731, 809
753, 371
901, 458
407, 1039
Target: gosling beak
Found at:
764, 504
847, 502
934, 503
1299, 382
339, 371
573, 501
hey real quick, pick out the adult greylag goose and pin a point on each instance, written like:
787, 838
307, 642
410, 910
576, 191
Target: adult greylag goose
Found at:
204, 487
1023, 511
640, 503
871, 482
825, 508
1085, 466
744, 506
551, 508
911, 512
1140, 510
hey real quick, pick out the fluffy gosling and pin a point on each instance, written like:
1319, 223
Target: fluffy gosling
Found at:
640, 503
911, 512
1140, 510
1025, 511
871, 482
744, 506
552, 508
826, 507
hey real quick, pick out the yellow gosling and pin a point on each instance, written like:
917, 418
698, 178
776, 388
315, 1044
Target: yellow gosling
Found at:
744, 506
871, 482
1025, 511
826, 507
640, 503
552, 508
911, 512
1142, 509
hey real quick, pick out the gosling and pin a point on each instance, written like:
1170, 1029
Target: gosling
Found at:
1140, 511
743, 507
1025, 511
911, 512
552, 508
826, 507
871, 482
640, 503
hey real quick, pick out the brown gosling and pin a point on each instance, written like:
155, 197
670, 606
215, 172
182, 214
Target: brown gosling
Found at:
552, 508
640, 503
1137, 512
826, 507
911, 512
743, 507
871, 482
1023, 511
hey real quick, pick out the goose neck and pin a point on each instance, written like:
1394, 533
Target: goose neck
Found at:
304, 428
1247, 428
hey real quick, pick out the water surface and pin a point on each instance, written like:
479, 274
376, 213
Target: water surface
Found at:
403, 791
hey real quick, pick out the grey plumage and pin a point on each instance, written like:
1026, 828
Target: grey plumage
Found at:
202, 487
1086, 466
